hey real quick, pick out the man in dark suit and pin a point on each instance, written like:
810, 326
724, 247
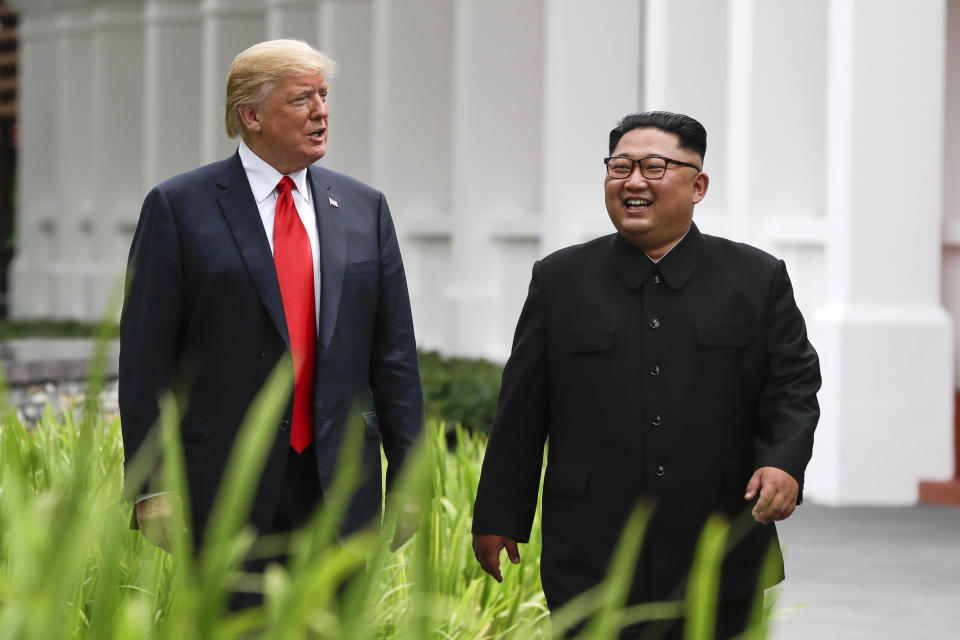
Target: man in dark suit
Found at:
262, 259
664, 366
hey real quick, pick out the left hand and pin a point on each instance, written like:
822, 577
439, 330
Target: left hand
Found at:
407, 514
777, 494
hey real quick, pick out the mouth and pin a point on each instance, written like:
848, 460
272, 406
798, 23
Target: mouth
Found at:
317, 135
636, 205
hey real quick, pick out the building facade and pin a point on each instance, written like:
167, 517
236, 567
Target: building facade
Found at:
834, 142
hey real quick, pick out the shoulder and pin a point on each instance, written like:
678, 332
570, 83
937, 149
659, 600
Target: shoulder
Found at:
205, 177
342, 184
579, 255
738, 254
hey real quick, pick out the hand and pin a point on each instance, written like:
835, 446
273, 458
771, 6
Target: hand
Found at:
155, 519
777, 494
487, 550
408, 521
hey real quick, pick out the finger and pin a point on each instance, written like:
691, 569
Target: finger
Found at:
752, 486
491, 564
512, 552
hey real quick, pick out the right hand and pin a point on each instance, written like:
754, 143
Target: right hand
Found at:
155, 519
487, 550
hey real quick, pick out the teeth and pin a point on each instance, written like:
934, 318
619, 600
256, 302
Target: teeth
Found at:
637, 202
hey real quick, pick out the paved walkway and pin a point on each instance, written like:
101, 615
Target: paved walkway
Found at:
871, 573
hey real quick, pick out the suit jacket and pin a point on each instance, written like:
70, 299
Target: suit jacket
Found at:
203, 314
670, 383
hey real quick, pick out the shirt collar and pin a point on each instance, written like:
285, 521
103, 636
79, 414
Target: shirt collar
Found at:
263, 177
677, 265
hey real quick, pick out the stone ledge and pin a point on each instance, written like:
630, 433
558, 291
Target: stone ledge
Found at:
33, 360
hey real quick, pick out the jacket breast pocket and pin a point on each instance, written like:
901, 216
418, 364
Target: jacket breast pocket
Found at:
587, 339
363, 266
723, 334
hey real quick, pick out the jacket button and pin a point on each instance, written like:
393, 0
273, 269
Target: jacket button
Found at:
657, 420
655, 370
656, 279
660, 470
284, 424
654, 323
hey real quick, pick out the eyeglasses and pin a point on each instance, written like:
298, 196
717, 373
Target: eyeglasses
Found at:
651, 167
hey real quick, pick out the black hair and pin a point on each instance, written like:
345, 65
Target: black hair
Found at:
692, 135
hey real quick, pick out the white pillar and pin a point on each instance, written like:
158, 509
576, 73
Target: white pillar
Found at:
686, 71
411, 149
951, 183
173, 51
229, 27
884, 338
73, 173
496, 161
344, 33
37, 187
117, 122
587, 89
776, 136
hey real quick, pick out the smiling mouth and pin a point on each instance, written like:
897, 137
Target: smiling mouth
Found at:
637, 204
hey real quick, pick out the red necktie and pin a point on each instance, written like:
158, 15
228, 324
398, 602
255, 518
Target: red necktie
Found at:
294, 262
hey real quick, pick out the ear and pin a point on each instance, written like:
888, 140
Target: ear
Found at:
250, 117
700, 184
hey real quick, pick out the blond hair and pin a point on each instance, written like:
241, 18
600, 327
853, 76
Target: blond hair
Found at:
254, 74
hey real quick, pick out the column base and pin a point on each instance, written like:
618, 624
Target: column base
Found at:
948, 493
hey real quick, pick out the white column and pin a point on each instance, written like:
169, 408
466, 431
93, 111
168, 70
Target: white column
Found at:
686, 71
345, 34
776, 136
229, 27
411, 149
951, 183
884, 338
587, 89
117, 122
496, 162
32, 295
292, 19
73, 171
173, 51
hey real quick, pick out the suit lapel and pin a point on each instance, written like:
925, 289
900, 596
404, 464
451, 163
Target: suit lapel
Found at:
333, 250
242, 216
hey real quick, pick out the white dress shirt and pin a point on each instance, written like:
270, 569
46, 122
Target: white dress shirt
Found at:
263, 180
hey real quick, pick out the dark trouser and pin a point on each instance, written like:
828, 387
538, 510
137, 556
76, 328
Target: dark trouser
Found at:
300, 496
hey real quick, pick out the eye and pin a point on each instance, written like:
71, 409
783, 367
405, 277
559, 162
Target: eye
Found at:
621, 165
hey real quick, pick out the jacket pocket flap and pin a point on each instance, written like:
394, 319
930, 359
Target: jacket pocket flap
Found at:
372, 424
566, 481
723, 334
590, 339
364, 266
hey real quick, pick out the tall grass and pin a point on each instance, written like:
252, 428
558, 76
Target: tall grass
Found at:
70, 567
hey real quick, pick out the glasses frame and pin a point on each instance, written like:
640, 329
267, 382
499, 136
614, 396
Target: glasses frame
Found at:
637, 161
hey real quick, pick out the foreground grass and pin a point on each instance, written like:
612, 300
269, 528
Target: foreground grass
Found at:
70, 567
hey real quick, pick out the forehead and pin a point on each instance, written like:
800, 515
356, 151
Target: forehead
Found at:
637, 143
301, 82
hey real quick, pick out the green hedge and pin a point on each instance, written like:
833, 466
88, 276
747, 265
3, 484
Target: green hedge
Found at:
460, 390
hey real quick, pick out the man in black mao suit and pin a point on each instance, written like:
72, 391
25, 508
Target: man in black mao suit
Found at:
664, 366
207, 314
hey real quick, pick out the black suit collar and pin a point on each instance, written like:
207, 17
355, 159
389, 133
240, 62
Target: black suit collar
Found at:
677, 266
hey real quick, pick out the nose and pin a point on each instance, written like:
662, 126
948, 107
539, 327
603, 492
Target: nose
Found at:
636, 179
318, 106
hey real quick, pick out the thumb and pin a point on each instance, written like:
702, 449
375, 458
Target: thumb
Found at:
754, 485
512, 552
